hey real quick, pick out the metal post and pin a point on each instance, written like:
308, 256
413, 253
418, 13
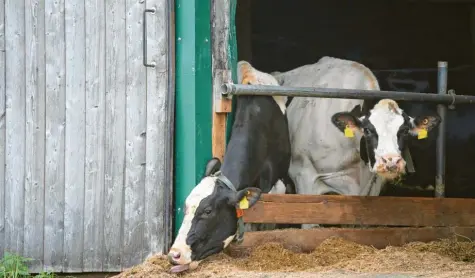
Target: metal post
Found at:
440, 151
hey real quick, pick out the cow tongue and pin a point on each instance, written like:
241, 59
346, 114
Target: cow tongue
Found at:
179, 268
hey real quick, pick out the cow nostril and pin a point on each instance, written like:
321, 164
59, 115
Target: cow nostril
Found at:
384, 160
392, 168
174, 256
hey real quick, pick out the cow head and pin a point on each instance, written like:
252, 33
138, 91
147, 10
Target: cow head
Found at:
385, 131
211, 216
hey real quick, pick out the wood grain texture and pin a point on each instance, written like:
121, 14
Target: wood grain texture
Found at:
134, 195
55, 128
35, 132
307, 240
75, 137
15, 125
157, 131
95, 136
2, 125
364, 210
218, 135
76, 110
115, 129
221, 66
221, 71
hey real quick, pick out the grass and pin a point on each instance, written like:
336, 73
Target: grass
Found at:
15, 266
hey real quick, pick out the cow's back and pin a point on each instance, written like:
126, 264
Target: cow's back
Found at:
319, 149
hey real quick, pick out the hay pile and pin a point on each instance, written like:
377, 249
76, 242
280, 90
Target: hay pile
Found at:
333, 254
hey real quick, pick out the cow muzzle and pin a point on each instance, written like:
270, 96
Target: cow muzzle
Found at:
181, 259
179, 256
390, 166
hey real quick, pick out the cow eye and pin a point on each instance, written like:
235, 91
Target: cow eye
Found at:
207, 211
405, 131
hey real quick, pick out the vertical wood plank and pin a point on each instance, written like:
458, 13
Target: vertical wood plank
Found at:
35, 132
15, 125
134, 195
75, 139
95, 127
55, 127
115, 130
157, 129
2, 126
220, 12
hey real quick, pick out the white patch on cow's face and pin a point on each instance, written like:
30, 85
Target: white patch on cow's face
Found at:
278, 188
387, 118
387, 124
204, 189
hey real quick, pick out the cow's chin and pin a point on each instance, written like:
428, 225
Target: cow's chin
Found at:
391, 175
184, 267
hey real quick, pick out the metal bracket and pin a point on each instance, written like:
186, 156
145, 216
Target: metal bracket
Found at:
452, 93
240, 232
152, 10
408, 158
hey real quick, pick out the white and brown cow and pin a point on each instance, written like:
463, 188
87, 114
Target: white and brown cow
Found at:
336, 147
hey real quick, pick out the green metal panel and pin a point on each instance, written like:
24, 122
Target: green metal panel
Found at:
193, 98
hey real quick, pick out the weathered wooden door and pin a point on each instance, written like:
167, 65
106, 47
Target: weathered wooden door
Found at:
85, 132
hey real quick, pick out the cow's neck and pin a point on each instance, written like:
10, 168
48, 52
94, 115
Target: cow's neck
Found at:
241, 165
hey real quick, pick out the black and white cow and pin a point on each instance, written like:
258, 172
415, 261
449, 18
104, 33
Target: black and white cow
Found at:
256, 160
459, 130
341, 146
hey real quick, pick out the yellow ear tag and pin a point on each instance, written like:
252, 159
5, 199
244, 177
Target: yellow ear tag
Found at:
349, 132
422, 133
244, 203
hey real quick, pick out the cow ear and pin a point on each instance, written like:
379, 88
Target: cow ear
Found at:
356, 111
421, 125
246, 198
245, 73
212, 166
346, 122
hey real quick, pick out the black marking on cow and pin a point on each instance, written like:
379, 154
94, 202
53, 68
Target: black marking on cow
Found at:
257, 155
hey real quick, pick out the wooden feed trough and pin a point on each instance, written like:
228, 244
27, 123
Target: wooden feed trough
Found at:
407, 219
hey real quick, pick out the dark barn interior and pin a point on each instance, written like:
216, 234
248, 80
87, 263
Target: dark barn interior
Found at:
400, 41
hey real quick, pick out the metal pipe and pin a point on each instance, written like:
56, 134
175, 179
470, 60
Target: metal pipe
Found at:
267, 90
440, 151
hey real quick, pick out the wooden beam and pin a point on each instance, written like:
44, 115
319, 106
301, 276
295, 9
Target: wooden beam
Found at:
368, 210
221, 70
221, 106
307, 240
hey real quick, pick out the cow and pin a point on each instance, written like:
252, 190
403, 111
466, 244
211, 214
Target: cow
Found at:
346, 146
459, 131
256, 161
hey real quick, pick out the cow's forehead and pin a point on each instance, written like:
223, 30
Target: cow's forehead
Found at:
204, 189
386, 117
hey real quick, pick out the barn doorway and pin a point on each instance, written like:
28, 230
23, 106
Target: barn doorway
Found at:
400, 41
